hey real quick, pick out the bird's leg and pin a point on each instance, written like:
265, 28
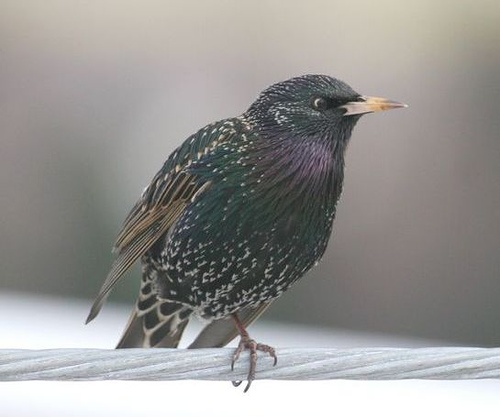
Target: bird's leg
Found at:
246, 342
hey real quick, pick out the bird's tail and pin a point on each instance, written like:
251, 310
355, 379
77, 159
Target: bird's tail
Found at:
154, 322
220, 332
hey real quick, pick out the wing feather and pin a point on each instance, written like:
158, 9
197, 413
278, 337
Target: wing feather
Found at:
162, 202
131, 253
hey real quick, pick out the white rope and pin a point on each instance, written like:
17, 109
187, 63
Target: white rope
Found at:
214, 364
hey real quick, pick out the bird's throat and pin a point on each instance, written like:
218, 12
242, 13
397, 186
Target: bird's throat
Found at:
312, 167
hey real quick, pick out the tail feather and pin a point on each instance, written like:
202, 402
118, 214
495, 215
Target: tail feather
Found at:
154, 322
167, 333
219, 333
153, 329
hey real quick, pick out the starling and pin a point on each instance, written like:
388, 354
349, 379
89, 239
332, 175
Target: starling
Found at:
237, 214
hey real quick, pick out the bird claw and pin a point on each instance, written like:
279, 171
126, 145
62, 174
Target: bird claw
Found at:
246, 343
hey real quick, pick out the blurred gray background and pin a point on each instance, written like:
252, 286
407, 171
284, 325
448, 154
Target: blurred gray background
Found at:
95, 95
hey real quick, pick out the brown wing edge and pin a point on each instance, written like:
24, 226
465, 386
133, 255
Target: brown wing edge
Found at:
129, 255
161, 203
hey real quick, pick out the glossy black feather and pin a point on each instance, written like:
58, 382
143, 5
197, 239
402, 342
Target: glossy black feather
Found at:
237, 214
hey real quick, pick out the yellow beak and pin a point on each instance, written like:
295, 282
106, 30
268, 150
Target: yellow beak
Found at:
370, 105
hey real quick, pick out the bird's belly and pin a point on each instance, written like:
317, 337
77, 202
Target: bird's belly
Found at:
218, 267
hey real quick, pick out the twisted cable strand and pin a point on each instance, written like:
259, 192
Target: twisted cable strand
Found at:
214, 364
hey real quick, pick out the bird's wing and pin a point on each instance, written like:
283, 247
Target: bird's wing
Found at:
219, 333
162, 202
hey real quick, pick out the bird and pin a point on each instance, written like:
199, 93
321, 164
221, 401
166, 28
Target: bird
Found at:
237, 214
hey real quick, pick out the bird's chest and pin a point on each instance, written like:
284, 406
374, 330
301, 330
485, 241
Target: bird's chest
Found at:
240, 230
220, 258
289, 209
248, 237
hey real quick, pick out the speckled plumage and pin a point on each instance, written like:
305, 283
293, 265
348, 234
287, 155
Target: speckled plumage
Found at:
261, 224
238, 213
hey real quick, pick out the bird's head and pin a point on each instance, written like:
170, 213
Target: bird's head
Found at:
312, 106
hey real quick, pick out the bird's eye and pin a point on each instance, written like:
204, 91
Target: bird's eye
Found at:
319, 103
